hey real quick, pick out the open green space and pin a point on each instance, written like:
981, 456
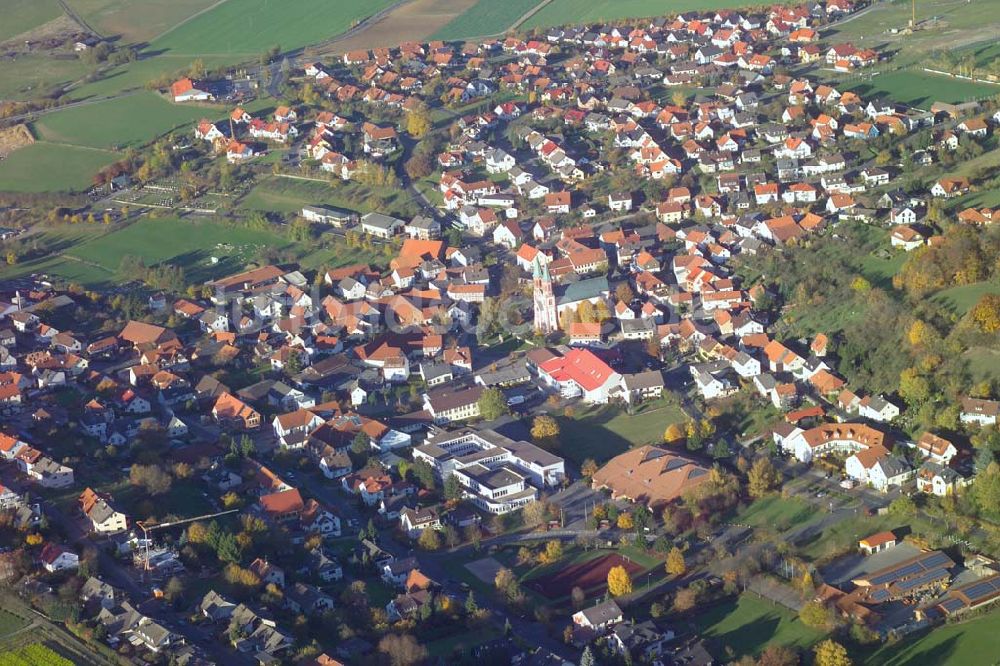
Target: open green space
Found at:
9, 623
25, 76
133, 120
602, 432
486, 17
983, 363
135, 75
137, 20
443, 648
561, 12
843, 535
249, 27
921, 89
967, 643
961, 299
276, 194
24, 15
35, 654
776, 512
748, 624
47, 167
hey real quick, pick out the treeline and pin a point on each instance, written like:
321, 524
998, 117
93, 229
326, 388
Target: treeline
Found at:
165, 277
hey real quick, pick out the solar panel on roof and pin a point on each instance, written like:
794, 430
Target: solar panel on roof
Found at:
952, 605
932, 560
982, 588
878, 596
922, 579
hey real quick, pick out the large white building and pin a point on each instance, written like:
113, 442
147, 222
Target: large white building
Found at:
499, 474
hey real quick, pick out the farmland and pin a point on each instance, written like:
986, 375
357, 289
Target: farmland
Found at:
137, 20
23, 15
486, 17
559, 12
46, 167
921, 89
35, 654
25, 76
749, 624
247, 27
416, 20
133, 120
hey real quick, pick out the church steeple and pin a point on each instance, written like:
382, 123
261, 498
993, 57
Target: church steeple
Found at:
546, 316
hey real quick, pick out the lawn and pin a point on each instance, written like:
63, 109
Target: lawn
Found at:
45, 167
23, 77
249, 27
843, 535
464, 640
961, 299
748, 624
24, 15
920, 89
275, 194
486, 17
133, 120
135, 75
776, 512
602, 432
984, 364
969, 643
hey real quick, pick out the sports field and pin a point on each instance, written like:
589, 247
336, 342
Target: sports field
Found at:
248, 27
587, 575
46, 167
23, 15
136, 119
603, 432
92, 257
486, 17
749, 624
921, 89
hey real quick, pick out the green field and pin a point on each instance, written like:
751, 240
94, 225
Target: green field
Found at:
91, 256
25, 76
137, 20
35, 654
776, 512
24, 15
46, 167
972, 643
984, 364
749, 624
486, 17
9, 623
288, 195
133, 120
920, 89
249, 27
561, 12
602, 432
961, 299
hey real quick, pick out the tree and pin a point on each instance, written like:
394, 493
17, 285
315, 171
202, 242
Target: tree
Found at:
675, 562
429, 539
553, 551
986, 489
150, 477
534, 513
902, 507
587, 658
778, 655
418, 121
986, 313
831, 653
402, 650
619, 582
174, 589
578, 597
815, 615
624, 293
361, 445
762, 478
452, 488
685, 599
624, 521
673, 433
493, 404
545, 431
588, 468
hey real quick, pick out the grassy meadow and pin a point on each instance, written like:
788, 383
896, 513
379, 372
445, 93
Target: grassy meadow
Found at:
47, 167
486, 17
23, 15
